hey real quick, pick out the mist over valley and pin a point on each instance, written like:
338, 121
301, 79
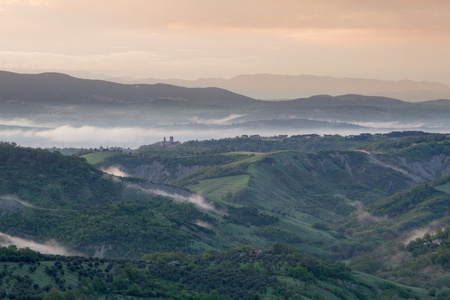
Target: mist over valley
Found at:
44, 110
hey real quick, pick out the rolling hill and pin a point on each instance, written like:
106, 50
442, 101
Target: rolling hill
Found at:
47, 196
287, 195
59, 99
393, 238
343, 203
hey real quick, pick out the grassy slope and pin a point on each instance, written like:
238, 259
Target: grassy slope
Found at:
217, 188
97, 157
300, 178
300, 189
443, 187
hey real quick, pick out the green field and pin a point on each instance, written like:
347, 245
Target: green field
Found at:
253, 157
444, 188
216, 189
97, 157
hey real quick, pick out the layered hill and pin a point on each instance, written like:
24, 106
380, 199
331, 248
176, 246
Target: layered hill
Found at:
287, 195
219, 198
270, 86
52, 99
248, 197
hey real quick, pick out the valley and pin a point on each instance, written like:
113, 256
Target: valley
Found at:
356, 200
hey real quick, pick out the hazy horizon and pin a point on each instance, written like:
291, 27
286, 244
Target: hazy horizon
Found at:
385, 40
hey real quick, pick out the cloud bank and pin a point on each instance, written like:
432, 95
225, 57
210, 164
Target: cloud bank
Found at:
41, 135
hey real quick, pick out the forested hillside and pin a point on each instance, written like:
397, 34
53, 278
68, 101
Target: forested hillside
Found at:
403, 237
359, 200
288, 195
48, 196
277, 273
52, 180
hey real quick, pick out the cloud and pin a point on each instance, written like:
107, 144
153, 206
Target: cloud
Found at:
18, 122
221, 121
419, 233
197, 200
392, 125
203, 15
93, 136
365, 217
203, 224
376, 39
28, 2
41, 135
116, 171
40, 61
15, 198
49, 247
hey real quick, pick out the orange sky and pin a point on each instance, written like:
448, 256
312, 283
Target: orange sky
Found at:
383, 39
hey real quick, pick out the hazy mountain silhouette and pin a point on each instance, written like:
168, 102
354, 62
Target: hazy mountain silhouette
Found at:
344, 100
59, 88
269, 86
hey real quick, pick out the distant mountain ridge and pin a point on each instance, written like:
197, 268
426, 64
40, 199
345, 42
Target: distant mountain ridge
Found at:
344, 100
271, 86
56, 87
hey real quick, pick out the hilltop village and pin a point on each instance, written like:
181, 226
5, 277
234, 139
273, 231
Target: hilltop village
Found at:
167, 144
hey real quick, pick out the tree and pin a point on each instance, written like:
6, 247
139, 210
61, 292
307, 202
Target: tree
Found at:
443, 294
54, 294
280, 248
120, 283
135, 290
248, 268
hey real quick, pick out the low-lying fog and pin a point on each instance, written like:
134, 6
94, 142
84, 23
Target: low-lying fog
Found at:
193, 198
26, 133
49, 247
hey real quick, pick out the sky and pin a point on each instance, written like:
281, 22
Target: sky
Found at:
190, 39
